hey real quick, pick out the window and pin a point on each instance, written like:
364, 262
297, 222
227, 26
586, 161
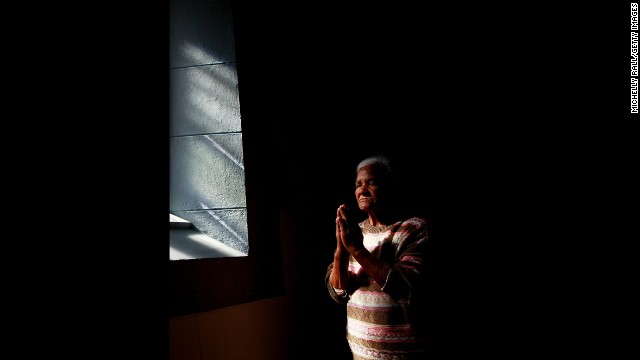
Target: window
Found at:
207, 178
223, 192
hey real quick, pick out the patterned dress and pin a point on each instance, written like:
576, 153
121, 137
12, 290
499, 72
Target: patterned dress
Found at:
385, 321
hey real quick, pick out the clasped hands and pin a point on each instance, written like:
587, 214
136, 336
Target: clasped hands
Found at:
348, 233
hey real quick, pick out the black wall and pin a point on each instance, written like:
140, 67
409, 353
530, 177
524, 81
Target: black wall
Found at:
491, 152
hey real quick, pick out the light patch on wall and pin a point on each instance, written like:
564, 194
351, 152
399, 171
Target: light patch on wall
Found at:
188, 244
207, 185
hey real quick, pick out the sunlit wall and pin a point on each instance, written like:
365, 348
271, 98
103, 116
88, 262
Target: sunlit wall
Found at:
207, 178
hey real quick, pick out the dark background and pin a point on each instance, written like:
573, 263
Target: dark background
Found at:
515, 126
510, 121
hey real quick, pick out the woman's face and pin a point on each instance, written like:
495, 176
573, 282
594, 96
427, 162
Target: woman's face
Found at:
370, 189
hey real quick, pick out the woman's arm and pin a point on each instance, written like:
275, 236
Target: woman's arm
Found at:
339, 272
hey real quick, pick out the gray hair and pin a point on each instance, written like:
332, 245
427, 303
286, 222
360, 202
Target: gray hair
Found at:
379, 160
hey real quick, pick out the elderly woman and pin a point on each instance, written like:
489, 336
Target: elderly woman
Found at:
378, 270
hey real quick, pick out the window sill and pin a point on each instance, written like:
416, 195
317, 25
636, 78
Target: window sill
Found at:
187, 243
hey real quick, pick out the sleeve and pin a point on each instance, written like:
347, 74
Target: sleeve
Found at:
340, 299
406, 279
